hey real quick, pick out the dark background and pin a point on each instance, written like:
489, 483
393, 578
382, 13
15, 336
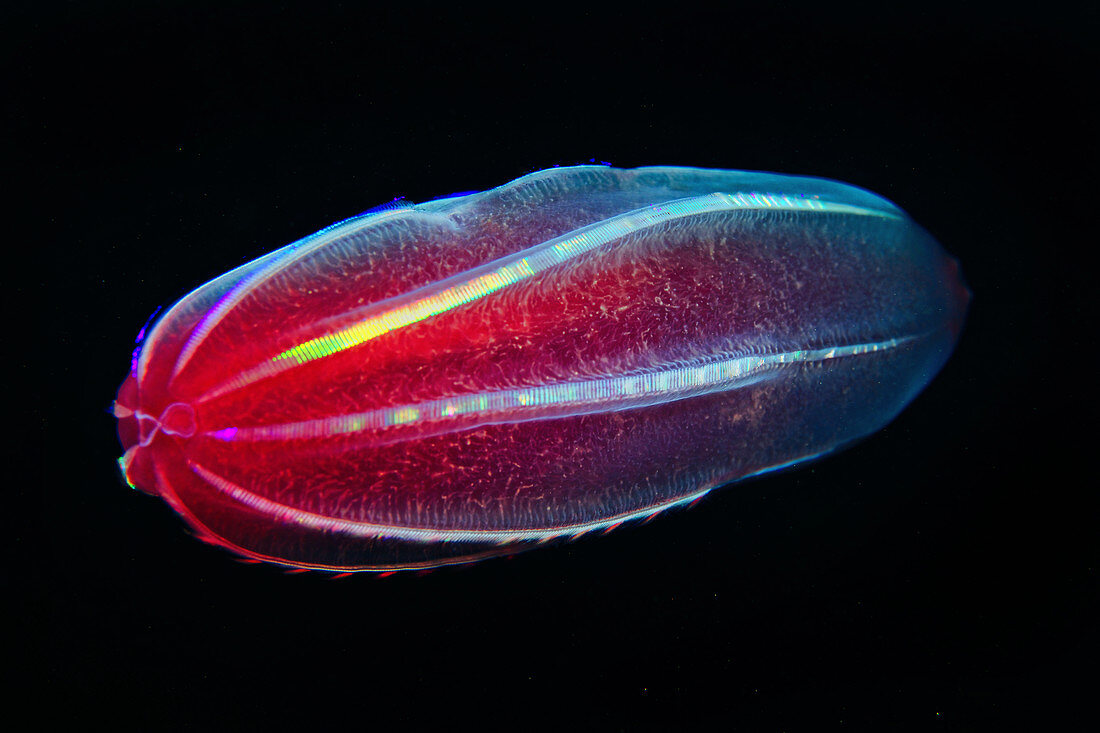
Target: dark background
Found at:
940, 575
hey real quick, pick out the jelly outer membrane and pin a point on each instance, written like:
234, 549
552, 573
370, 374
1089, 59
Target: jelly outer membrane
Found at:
437, 383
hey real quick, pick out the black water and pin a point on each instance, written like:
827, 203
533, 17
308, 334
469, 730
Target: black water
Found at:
940, 575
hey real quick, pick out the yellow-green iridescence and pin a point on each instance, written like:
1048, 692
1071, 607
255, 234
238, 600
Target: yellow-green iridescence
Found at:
406, 315
549, 254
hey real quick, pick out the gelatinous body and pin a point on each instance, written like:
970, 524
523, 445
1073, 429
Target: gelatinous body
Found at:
440, 382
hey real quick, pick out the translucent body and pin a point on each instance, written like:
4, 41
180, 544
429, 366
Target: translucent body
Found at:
584, 346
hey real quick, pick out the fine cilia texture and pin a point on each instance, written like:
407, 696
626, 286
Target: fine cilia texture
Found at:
437, 383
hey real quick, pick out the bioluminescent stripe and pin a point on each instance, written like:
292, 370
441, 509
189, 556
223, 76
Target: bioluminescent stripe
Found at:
286, 514
562, 399
286, 257
481, 281
551, 253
